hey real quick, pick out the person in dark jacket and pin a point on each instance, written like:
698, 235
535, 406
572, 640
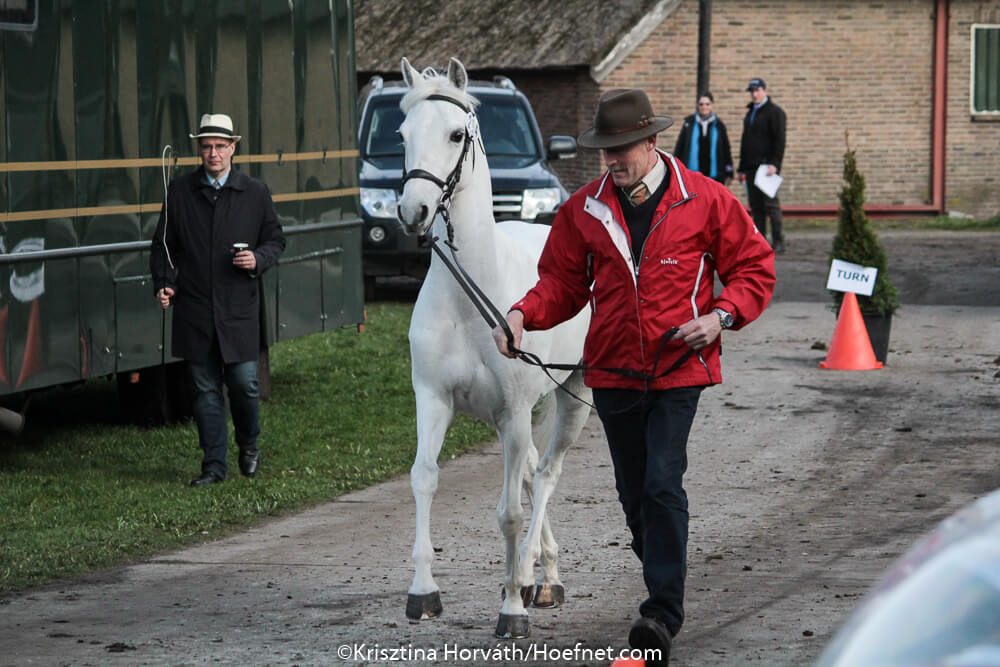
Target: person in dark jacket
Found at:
641, 245
703, 142
218, 232
763, 142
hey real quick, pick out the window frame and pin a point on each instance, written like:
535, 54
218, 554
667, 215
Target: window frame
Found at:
20, 23
988, 114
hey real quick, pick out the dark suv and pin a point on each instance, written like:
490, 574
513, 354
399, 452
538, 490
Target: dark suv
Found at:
524, 187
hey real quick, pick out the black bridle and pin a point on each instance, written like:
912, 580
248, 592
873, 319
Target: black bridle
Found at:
449, 183
493, 317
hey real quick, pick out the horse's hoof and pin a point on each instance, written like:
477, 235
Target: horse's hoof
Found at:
513, 627
549, 595
527, 593
420, 606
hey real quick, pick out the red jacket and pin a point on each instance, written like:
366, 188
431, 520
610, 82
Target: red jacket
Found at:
698, 228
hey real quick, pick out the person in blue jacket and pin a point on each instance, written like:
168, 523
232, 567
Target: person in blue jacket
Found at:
703, 143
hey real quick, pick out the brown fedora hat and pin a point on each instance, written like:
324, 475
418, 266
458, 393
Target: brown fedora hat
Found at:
623, 117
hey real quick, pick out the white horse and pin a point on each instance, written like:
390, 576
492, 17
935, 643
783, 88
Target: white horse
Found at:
455, 363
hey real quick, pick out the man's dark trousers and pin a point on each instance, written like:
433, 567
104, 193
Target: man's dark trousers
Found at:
240, 379
647, 434
761, 208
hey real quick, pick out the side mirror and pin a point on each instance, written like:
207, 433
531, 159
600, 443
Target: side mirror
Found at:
560, 147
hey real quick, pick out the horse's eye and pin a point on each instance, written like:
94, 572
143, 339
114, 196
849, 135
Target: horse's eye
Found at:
457, 136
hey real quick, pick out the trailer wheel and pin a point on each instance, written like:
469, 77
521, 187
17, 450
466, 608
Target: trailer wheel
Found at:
143, 396
155, 396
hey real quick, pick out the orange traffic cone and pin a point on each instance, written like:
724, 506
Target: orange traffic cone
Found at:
850, 349
628, 662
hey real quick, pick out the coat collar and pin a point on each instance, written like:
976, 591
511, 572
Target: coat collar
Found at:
237, 179
677, 189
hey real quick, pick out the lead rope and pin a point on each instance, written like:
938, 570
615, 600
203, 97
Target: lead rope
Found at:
494, 319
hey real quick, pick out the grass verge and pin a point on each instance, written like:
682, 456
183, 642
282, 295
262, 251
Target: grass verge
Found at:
941, 223
80, 490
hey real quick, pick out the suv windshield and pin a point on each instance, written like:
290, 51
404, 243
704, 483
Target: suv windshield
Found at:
506, 128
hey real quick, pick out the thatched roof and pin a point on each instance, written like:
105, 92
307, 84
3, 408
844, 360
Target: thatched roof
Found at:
492, 34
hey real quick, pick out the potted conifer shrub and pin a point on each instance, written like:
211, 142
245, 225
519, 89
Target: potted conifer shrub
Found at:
857, 242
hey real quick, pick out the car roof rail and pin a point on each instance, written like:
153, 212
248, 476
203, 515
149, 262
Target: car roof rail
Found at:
504, 82
376, 82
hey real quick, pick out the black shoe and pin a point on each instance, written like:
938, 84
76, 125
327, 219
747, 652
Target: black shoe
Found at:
779, 247
205, 479
249, 461
651, 634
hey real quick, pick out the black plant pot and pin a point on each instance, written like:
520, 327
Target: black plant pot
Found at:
878, 333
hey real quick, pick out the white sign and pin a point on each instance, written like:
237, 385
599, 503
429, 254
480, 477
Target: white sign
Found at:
767, 184
847, 277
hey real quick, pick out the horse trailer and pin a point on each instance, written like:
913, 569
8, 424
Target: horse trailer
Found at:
96, 103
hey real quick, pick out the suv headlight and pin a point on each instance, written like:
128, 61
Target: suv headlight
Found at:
539, 200
379, 202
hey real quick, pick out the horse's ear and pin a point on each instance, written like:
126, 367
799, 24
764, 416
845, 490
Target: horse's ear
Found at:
410, 75
456, 74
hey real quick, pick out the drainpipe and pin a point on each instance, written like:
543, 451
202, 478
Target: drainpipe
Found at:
704, 45
937, 206
940, 100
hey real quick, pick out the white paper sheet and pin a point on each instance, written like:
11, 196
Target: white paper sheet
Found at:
767, 184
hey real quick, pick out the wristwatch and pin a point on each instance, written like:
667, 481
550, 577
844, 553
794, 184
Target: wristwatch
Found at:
725, 318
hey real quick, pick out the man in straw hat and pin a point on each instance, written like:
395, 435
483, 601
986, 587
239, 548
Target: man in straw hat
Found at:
641, 244
218, 232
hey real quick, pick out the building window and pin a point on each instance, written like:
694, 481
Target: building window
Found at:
18, 14
984, 84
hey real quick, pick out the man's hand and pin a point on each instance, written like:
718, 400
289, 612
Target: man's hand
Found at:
771, 170
163, 297
701, 331
245, 259
515, 320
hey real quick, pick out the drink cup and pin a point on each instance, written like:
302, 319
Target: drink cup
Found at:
240, 247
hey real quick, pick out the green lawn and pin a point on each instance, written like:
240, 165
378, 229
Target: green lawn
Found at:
942, 223
80, 490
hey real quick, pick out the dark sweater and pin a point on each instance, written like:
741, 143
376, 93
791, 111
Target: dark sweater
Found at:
639, 218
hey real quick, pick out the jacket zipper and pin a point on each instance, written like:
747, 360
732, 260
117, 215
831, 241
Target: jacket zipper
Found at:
642, 250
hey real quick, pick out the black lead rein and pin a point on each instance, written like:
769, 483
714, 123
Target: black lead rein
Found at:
494, 318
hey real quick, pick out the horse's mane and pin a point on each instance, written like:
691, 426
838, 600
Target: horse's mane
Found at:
434, 83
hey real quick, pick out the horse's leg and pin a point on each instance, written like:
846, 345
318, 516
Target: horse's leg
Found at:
571, 415
515, 439
434, 414
549, 592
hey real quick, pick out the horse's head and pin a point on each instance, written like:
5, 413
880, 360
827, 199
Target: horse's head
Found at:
439, 135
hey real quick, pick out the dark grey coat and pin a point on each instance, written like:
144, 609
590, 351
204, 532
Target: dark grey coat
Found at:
211, 296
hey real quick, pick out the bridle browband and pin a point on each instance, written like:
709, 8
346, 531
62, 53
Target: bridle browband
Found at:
490, 313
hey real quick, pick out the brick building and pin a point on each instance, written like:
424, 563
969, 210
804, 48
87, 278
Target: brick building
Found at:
895, 76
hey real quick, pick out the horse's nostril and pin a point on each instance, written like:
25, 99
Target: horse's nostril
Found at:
423, 213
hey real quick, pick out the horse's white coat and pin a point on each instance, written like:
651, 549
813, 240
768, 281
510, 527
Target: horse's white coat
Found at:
455, 364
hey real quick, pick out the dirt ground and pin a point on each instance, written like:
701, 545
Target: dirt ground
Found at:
804, 486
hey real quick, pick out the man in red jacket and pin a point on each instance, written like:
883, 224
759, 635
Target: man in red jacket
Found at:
641, 244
